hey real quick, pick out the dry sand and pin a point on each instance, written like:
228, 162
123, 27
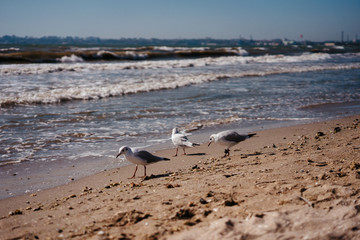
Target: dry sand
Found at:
300, 182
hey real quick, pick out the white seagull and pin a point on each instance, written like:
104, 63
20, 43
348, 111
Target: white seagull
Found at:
139, 157
180, 140
229, 139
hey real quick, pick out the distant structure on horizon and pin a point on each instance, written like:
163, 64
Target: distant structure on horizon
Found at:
211, 42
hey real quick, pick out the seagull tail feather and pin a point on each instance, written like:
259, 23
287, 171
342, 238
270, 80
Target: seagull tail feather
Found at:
251, 135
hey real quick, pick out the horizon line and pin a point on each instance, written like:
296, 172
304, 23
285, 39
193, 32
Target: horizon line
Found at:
169, 39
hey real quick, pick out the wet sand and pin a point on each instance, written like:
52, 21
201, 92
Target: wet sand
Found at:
290, 183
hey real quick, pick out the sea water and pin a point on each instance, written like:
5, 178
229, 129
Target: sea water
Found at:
66, 120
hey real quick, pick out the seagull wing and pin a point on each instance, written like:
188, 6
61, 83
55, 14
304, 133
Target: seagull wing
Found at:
235, 137
148, 157
183, 138
179, 139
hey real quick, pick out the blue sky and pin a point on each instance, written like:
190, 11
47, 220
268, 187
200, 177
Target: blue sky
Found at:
317, 20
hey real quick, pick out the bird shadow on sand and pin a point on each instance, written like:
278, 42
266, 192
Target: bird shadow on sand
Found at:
195, 154
254, 154
152, 176
249, 154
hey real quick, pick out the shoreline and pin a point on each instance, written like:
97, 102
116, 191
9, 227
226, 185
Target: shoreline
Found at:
38, 176
264, 174
62, 172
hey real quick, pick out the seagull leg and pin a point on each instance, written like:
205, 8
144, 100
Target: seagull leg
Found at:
134, 172
184, 151
176, 152
144, 171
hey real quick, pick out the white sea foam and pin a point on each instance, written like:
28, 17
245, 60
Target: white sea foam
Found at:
127, 55
88, 90
78, 66
135, 55
174, 49
260, 48
73, 58
9, 49
103, 52
82, 49
238, 51
289, 59
130, 81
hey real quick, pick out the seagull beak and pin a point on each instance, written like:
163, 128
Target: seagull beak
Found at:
118, 155
209, 144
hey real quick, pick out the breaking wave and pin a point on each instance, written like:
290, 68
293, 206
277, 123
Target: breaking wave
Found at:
78, 66
152, 83
73, 58
12, 55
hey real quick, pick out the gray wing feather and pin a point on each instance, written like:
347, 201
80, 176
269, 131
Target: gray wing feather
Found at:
235, 137
184, 138
148, 157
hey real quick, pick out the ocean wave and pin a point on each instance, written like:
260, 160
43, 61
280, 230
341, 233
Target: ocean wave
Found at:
151, 83
109, 54
10, 162
212, 122
178, 49
284, 119
73, 58
331, 105
193, 126
291, 59
237, 51
78, 66
11, 49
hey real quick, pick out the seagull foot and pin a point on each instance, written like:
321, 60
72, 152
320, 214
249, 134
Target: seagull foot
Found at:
227, 152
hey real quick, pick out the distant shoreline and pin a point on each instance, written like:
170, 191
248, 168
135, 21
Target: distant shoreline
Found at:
13, 39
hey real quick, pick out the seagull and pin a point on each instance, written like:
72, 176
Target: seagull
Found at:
139, 157
180, 140
229, 139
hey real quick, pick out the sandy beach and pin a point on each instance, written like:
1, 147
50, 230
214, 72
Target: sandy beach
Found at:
298, 182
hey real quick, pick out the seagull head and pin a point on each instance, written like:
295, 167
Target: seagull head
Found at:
212, 139
123, 150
